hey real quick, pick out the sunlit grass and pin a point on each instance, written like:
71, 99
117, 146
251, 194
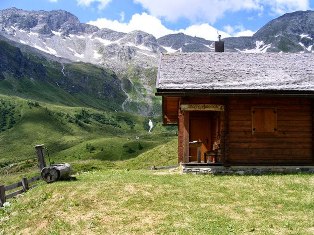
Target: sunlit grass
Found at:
150, 202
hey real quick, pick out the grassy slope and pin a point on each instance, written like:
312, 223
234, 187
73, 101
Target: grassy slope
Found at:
85, 137
75, 110
76, 84
146, 202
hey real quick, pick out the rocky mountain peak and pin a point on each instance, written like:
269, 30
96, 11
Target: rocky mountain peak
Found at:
42, 22
109, 34
140, 38
60, 33
296, 23
185, 43
291, 32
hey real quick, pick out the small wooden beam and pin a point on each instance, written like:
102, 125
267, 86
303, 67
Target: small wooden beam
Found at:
40, 156
25, 184
2, 195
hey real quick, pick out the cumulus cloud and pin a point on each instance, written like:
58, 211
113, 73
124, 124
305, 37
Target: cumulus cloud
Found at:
154, 26
101, 4
244, 33
204, 31
144, 22
212, 10
280, 7
238, 30
198, 11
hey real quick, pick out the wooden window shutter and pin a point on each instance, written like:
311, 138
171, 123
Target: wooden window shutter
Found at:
264, 120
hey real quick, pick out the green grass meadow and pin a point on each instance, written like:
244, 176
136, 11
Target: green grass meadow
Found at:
164, 202
111, 153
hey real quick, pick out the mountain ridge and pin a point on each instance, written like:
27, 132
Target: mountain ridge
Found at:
61, 34
133, 57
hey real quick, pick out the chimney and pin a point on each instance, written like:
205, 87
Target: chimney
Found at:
220, 45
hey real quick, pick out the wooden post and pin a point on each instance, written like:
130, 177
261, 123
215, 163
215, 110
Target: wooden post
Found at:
183, 137
25, 184
186, 137
2, 195
199, 154
225, 149
40, 156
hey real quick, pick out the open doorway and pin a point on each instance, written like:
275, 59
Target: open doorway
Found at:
205, 128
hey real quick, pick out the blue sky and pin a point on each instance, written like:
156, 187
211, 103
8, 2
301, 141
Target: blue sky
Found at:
201, 18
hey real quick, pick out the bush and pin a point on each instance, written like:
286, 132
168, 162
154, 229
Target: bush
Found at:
90, 148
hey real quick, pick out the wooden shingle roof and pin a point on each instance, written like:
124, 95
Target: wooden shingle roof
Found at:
236, 72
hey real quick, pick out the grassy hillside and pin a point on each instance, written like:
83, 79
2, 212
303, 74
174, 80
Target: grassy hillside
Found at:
88, 138
76, 111
39, 78
147, 202
75, 84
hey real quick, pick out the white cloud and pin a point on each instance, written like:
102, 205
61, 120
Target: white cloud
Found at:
144, 22
53, 0
280, 7
246, 33
204, 31
211, 10
238, 30
101, 4
198, 10
154, 26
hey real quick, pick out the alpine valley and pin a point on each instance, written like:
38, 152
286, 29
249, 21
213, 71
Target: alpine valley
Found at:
132, 58
71, 85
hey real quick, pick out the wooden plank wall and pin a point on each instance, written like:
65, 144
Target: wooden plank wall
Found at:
291, 144
170, 106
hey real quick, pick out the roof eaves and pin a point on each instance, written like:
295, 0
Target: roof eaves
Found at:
295, 93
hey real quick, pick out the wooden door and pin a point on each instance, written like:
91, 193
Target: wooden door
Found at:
200, 130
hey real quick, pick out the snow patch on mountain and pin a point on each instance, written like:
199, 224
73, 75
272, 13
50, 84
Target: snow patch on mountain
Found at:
211, 46
52, 51
105, 42
141, 47
81, 56
77, 36
96, 55
261, 47
309, 48
303, 35
48, 50
169, 49
56, 33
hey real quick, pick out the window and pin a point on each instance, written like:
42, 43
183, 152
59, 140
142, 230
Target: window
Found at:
264, 120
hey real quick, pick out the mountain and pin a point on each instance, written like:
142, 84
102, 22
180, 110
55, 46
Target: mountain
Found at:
60, 33
58, 39
74, 84
184, 43
292, 32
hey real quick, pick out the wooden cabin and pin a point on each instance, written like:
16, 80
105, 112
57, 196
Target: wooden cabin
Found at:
237, 109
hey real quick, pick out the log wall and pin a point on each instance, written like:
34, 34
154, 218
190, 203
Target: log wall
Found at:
290, 144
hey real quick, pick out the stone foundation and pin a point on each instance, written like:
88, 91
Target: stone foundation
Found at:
246, 170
